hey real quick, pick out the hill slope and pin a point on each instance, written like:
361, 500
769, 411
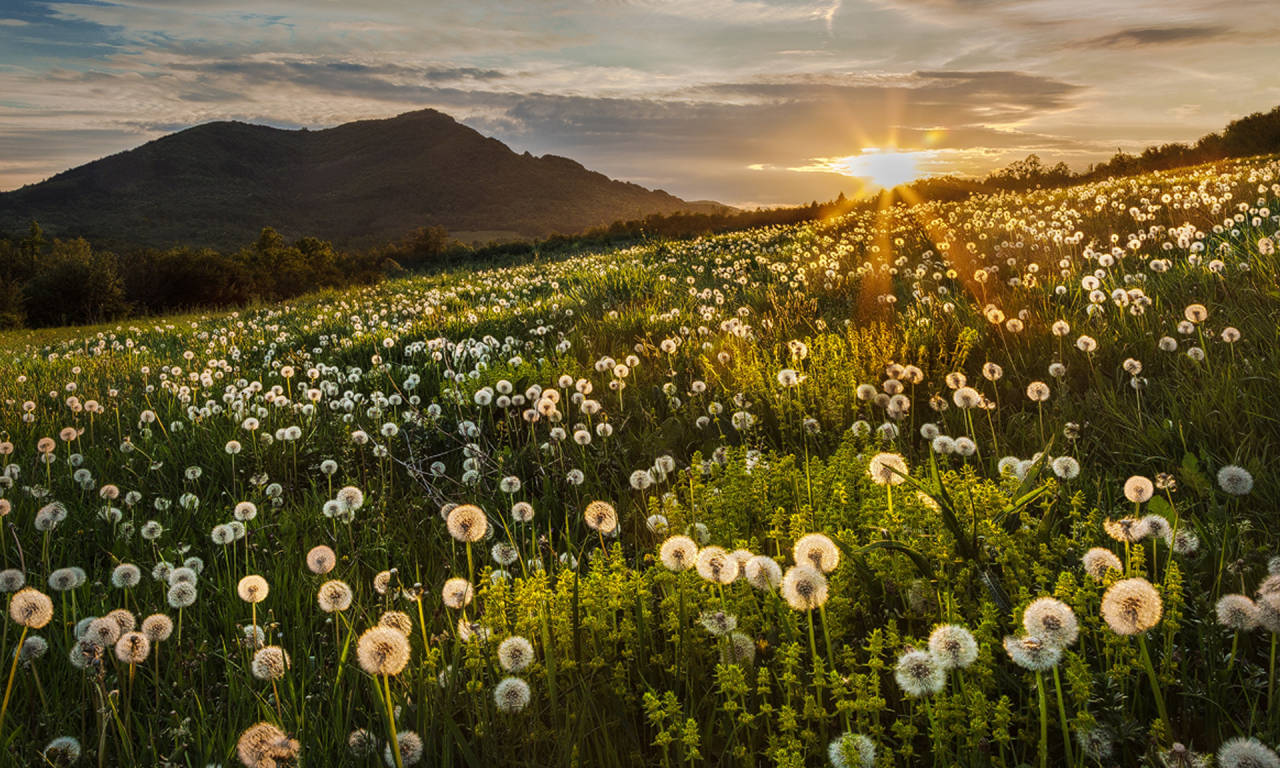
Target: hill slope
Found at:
219, 184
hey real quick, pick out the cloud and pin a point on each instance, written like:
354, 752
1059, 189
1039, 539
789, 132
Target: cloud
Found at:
13, 23
1147, 36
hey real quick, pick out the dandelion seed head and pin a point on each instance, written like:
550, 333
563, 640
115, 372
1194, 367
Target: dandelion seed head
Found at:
62, 751
1128, 529
382, 651
263, 745
1097, 742
953, 646
1237, 612
887, 468
804, 588
11, 580
270, 663
1235, 480
457, 593
157, 627
410, 749
515, 654
1246, 752
1052, 621
133, 648
511, 695
817, 550
30, 608
253, 589
852, 750
601, 516
321, 559
678, 553
919, 674
334, 596
716, 566
467, 523
762, 572
361, 743
718, 623
1131, 606
1030, 653
181, 595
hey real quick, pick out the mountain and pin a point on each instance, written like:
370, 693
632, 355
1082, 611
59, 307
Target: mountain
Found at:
365, 182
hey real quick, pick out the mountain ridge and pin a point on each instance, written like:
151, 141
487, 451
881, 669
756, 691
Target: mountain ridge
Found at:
365, 182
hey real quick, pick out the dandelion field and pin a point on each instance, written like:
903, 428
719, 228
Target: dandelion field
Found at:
978, 483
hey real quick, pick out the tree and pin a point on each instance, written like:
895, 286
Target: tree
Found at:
75, 284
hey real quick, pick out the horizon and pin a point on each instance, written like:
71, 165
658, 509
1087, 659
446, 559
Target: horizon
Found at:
751, 103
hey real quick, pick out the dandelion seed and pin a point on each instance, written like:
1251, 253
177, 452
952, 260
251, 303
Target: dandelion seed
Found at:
270, 663
919, 674
321, 559
11, 580
253, 589
457, 593
715, 565
852, 750
382, 651
1246, 752
1097, 743
511, 695
62, 751
678, 553
467, 523
133, 648
245, 511
351, 498
181, 595
410, 750
953, 646
31, 608
66, 579
1131, 606
1138, 489
1038, 391
1237, 612
817, 550
1195, 313
334, 596
1129, 529
522, 512
103, 632
361, 743
762, 572
1066, 468
34, 647
124, 620
1235, 480
1030, 653
804, 588
157, 627
1052, 621
718, 623
515, 654
601, 516
264, 745
887, 468
381, 581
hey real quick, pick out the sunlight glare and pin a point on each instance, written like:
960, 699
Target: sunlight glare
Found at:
886, 168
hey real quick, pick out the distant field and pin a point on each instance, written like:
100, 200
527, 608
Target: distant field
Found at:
978, 483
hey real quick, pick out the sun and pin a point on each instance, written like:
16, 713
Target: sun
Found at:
886, 168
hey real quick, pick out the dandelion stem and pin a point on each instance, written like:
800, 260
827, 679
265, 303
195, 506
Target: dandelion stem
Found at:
1062, 715
1044, 721
391, 721
1155, 686
8, 689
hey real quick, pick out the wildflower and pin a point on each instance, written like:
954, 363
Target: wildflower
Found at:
678, 553
362, 743
601, 516
410, 749
457, 593
382, 651
1129, 529
63, 750
11, 580
270, 663
718, 622
511, 695
1237, 612
818, 550
1131, 606
1138, 489
953, 646
515, 654
852, 751
1246, 752
1066, 467
263, 745
804, 588
919, 674
181, 595
1030, 653
157, 627
334, 596
1038, 391
762, 572
1235, 480
887, 468
1097, 742
30, 608
133, 648
467, 523
252, 589
1052, 621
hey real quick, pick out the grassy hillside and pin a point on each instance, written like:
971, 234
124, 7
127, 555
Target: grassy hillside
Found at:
369, 182
1078, 383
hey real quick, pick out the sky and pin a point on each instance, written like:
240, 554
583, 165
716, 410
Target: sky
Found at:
746, 102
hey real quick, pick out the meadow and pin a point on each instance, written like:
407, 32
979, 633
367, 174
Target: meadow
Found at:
977, 483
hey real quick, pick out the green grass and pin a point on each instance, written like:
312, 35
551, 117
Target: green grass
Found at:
625, 674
